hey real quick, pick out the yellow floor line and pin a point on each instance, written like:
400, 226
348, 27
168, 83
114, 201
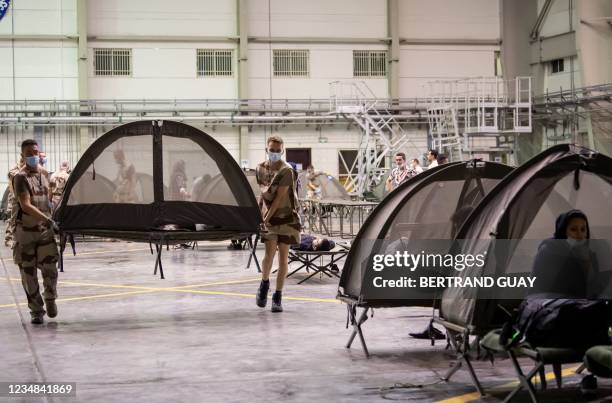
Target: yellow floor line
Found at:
252, 280
68, 254
468, 397
136, 287
236, 294
117, 294
183, 289
152, 290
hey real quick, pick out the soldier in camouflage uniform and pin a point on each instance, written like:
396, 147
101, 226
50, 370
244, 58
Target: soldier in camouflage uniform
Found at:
279, 205
58, 183
11, 207
35, 245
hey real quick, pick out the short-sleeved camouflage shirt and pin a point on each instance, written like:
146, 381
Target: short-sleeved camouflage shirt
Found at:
36, 184
58, 180
269, 181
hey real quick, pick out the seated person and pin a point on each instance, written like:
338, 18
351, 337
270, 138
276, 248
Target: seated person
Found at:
312, 243
565, 266
567, 285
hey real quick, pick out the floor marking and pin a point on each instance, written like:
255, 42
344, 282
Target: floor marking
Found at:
183, 289
136, 287
68, 254
117, 294
236, 294
468, 397
220, 283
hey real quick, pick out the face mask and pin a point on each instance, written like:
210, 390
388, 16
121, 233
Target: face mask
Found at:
32, 162
274, 157
576, 242
43, 161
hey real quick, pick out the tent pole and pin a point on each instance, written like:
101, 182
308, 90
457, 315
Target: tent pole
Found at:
352, 310
252, 256
156, 256
159, 247
61, 251
161, 269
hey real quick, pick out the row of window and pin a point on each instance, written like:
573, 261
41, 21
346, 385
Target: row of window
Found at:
219, 62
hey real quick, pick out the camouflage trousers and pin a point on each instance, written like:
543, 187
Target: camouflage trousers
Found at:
34, 249
10, 232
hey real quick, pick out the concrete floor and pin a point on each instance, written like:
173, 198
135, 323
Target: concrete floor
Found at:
123, 334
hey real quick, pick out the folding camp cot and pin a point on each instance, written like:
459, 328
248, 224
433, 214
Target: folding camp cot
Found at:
320, 262
541, 356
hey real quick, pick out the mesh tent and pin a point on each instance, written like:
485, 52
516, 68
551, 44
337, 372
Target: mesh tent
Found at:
136, 182
217, 187
512, 219
429, 206
331, 188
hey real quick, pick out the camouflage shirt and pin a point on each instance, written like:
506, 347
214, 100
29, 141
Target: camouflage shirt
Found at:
12, 200
269, 181
58, 181
36, 184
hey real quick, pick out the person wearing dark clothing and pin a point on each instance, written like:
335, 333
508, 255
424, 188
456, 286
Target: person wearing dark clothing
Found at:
567, 284
312, 243
564, 266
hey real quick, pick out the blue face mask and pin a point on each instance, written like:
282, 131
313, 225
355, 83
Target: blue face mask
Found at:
32, 162
274, 157
43, 161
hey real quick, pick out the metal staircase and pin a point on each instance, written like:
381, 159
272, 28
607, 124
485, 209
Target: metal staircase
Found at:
445, 131
382, 134
477, 116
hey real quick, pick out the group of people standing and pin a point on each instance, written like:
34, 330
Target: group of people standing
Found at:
403, 172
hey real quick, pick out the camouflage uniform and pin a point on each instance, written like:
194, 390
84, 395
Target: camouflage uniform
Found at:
34, 241
58, 183
285, 223
11, 208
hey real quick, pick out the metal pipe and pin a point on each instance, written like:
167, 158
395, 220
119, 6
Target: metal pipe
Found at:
229, 119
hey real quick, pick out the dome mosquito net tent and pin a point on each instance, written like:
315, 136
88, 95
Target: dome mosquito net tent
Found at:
424, 212
136, 182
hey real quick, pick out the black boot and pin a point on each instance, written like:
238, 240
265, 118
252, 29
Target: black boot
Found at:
51, 308
38, 318
276, 302
261, 298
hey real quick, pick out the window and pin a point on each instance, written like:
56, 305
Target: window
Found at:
556, 66
112, 62
290, 63
369, 63
215, 62
498, 64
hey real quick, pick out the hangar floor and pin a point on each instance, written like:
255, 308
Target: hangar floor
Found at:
123, 334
